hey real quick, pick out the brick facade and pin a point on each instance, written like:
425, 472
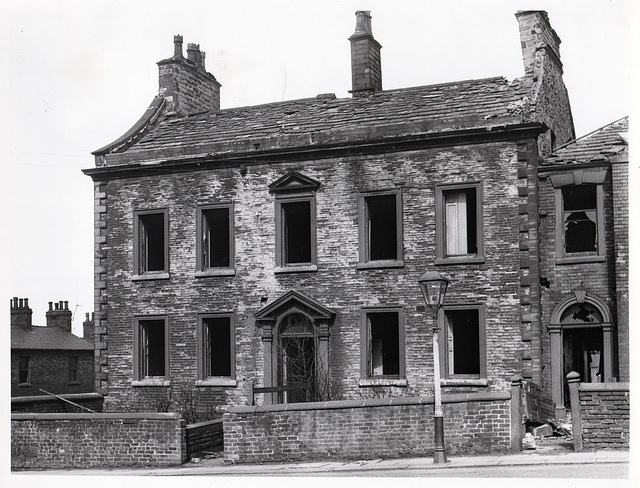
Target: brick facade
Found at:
605, 412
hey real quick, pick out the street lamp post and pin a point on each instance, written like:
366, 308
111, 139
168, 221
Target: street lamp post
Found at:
434, 289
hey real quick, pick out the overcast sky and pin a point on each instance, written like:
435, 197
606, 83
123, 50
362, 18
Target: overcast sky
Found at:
77, 74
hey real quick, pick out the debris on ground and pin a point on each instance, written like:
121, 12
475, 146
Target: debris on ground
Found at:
529, 442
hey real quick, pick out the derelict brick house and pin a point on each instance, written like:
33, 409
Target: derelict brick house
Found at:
282, 243
49, 358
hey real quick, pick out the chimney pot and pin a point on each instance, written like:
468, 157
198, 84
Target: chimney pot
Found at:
363, 22
21, 303
21, 314
177, 46
50, 306
66, 305
366, 67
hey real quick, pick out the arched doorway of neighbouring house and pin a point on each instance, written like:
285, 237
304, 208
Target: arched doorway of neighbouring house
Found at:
581, 330
296, 358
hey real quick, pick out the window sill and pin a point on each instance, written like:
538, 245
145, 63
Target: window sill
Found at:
150, 276
217, 382
151, 382
216, 272
24, 385
580, 259
307, 268
465, 382
382, 382
380, 264
460, 260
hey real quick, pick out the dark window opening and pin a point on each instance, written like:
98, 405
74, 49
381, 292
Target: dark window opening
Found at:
215, 239
218, 346
151, 241
580, 217
73, 369
153, 348
463, 342
296, 222
384, 352
23, 369
382, 227
461, 222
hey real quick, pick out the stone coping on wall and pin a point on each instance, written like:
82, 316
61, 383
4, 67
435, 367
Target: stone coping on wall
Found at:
49, 398
203, 424
611, 386
373, 402
96, 416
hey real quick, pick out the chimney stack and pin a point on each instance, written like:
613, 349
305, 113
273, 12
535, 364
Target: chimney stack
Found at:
537, 38
88, 331
60, 316
21, 314
366, 68
185, 84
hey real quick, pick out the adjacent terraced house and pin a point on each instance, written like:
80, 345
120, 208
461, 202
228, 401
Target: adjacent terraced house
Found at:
281, 244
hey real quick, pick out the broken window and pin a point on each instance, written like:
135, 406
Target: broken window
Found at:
296, 231
459, 222
152, 348
23, 370
151, 242
73, 369
580, 217
218, 346
215, 246
383, 339
380, 228
464, 333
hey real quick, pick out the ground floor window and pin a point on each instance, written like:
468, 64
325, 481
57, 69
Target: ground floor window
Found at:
216, 346
463, 335
151, 348
382, 343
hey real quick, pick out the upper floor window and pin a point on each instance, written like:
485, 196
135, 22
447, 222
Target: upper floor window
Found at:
73, 369
151, 243
23, 370
579, 215
380, 217
459, 223
151, 349
295, 223
216, 349
215, 243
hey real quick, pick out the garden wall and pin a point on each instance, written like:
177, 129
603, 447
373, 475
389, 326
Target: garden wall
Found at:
605, 412
50, 404
85, 440
364, 429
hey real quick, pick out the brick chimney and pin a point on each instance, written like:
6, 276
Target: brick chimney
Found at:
21, 314
88, 331
185, 84
366, 68
60, 316
537, 37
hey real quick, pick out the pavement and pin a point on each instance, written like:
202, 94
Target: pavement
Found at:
413, 467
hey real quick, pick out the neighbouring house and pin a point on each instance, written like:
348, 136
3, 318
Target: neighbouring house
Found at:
49, 358
281, 244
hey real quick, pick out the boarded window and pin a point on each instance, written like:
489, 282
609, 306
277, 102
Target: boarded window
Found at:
152, 348
23, 369
73, 369
382, 229
580, 210
383, 355
296, 232
217, 346
463, 342
460, 222
216, 238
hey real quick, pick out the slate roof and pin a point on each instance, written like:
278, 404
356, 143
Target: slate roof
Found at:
467, 104
599, 145
51, 338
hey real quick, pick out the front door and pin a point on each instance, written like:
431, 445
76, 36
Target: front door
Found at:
582, 353
297, 359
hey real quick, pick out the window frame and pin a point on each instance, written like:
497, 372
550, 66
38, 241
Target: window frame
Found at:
281, 265
28, 370
462, 378
138, 355
441, 255
365, 262
201, 352
138, 260
562, 257
201, 271
74, 378
382, 380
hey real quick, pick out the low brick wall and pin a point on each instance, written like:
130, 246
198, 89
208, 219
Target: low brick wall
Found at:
49, 404
605, 412
204, 436
360, 429
47, 440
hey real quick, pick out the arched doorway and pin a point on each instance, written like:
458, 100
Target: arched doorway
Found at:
296, 358
581, 332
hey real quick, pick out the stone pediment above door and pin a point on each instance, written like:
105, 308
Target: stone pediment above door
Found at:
294, 300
